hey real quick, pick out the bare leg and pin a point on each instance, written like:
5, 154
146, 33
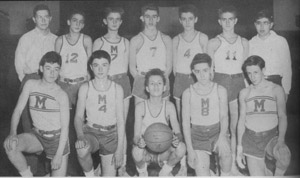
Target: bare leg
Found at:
233, 110
256, 166
202, 164
62, 171
108, 169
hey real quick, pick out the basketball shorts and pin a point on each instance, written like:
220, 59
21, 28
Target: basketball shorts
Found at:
233, 84
274, 78
255, 143
27, 77
182, 82
50, 142
104, 140
139, 89
204, 138
123, 80
71, 89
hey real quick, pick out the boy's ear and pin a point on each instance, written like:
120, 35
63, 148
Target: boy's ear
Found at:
147, 89
68, 22
41, 69
105, 21
142, 18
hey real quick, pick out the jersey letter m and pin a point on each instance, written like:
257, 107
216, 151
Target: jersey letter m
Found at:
205, 107
40, 102
259, 104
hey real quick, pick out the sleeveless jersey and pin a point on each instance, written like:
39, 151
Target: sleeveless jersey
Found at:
152, 54
186, 52
101, 105
44, 108
261, 112
229, 56
117, 51
150, 119
204, 109
74, 59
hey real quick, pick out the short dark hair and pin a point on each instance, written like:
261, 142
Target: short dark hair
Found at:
109, 10
51, 57
201, 58
40, 7
188, 8
265, 13
225, 9
149, 7
76, 11
99, 54
152, 72
253, 60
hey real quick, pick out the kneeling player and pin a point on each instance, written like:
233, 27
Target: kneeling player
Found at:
263, 122
49, 109
205, 119
156, 110
102, 99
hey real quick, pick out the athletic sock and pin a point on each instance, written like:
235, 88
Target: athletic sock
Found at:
26, 173
225, 173
183, 161
124, 160
142, 171
165, 170
279, 172
91, 173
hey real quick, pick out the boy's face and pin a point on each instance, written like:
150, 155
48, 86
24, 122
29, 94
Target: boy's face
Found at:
188, 20
255, 74
227, 21
202, 71
150, 18
50, 71
263, 26
100, 67
76, 23
155, 86
42, 19
113, 21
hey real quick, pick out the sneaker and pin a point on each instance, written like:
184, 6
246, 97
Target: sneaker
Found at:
182, 171
97, 171
122, 172
143, 174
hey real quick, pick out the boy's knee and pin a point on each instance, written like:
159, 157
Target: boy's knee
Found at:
137, 154
180, 150
82, 152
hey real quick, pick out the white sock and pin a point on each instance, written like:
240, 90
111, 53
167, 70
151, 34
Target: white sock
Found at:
165, 170
124, 160
279, 172
141, 170
183, 161
26, 173
90, 173
225, 173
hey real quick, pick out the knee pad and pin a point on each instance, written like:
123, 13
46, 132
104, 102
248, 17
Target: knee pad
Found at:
282, 156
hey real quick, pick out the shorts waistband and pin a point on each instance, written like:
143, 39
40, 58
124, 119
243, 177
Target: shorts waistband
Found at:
181, 74
100, 127
144, 73
232, 75
51, 133
117, 76
204, 127
73, 81
261, 133
272, 76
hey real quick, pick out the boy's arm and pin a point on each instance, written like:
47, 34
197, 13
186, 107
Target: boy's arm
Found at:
80, 108
133, 49
186, 121
120, 118
223, 105
245, 44
58, 44
88, 44
126, 57
20, 55
64, 121
175, 42
168, 42
281, 109
97, 44
286, 67
139, 114
242, 118
212, 46
171, 112
203, 39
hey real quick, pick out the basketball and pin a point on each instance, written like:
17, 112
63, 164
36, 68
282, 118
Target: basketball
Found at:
158, 137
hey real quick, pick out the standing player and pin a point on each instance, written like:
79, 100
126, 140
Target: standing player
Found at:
263, 122
228, 51
205, 119
185, 46
102, 100
118, 48
49, 109
31, 48
156, 110
148, 50
273, 49
75, 48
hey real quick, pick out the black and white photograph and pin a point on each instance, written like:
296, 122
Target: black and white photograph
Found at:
160, 88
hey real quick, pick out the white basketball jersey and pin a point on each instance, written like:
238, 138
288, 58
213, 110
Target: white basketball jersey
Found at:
152, 54
186, 52
117, 52
150, 119
74, 59
229, 56
101, 105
